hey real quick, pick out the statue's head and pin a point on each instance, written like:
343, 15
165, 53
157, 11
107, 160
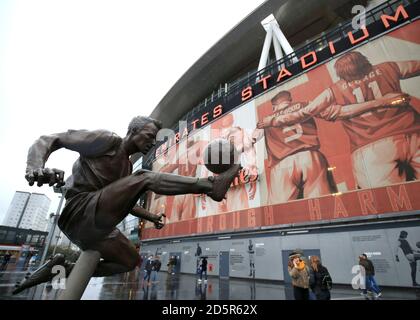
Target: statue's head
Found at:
142, 133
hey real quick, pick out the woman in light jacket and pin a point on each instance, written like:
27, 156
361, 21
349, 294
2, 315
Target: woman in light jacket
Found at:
299, 272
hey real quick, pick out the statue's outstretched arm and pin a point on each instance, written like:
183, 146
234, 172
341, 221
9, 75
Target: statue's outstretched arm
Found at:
142, 213
87, 143
37, 157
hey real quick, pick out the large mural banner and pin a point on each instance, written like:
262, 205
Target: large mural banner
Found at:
338, 141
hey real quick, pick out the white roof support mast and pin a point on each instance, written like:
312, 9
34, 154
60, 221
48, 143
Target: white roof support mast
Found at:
274, 35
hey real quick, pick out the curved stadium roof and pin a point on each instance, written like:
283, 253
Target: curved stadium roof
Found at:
239, 50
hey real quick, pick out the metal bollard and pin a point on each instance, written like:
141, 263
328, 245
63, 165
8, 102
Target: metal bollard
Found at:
80, 275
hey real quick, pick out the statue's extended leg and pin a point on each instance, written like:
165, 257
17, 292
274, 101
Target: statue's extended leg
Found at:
118, 253
43, 274
119, 197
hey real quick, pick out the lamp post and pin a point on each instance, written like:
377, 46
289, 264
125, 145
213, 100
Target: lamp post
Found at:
56, 243
52, 229
38, 291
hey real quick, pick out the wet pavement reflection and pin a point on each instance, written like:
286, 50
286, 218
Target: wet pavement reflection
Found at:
132, 286
187, 287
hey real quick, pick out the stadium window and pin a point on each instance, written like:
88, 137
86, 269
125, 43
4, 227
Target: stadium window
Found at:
11, 235
34, 239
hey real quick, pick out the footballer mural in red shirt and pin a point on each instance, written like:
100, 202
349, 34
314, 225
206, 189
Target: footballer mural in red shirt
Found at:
377, 117
297, 168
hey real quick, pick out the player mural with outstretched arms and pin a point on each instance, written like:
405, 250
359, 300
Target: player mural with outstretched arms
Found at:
297, 168
381, 124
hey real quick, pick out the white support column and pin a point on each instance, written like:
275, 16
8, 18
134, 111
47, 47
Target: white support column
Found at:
282, 39
80, 275
266, 49
274, 35
277, 48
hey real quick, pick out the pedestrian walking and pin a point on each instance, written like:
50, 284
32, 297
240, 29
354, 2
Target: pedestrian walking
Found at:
320, 279
299, 272
370, 282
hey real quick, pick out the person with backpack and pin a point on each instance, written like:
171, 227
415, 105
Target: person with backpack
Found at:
370, 282
320, 279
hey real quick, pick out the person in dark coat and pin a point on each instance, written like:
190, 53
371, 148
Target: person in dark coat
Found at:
171, 265
156, 264
203, 269
148, 270
5, 262
319, 280
198, 257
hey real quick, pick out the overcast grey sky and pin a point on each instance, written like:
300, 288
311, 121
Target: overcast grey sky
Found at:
91, 64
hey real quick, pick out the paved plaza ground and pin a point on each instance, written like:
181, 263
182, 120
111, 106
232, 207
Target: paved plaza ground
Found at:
130, 286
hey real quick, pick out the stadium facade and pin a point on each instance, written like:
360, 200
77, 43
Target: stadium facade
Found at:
329, 138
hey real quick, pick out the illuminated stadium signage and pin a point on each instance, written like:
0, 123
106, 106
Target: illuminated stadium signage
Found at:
311, 58
204, 119
269, 81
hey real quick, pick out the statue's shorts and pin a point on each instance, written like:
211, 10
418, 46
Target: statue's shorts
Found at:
77, 220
